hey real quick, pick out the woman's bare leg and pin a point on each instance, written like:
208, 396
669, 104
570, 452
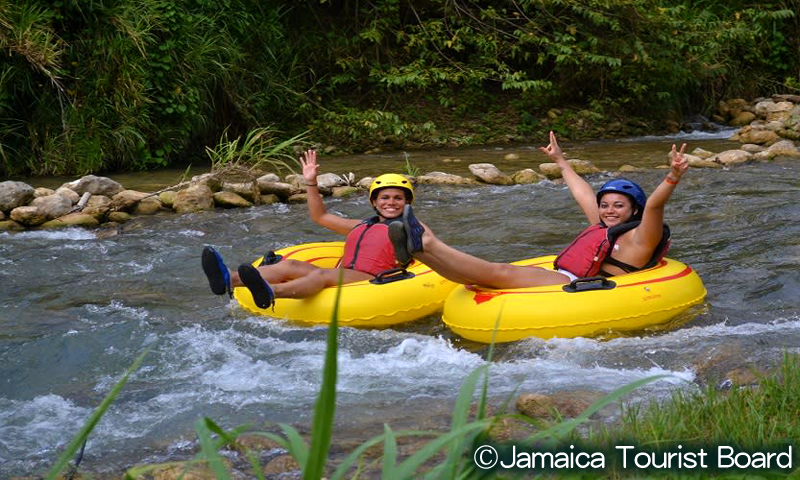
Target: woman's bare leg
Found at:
464, 268
315, 281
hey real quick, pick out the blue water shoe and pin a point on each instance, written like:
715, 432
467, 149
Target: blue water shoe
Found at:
414, 230
263, 296
219, 278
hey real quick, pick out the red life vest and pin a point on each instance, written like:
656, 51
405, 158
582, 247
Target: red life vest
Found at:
368, 249
591, 248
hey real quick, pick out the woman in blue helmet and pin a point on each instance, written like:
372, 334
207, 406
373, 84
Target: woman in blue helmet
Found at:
620, 212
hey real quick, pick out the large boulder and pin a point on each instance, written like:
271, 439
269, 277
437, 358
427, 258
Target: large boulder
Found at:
488, 173
281, 189
748, 134
330, 180
226, 199
29, 216
147, 206
95, 186
14, 194
71, 194
126, 200
98, 206
194, 199
53, 206
527, 176
246, 191
42, 192
772, 111
733, 157
581, 167
784, 148
742, 119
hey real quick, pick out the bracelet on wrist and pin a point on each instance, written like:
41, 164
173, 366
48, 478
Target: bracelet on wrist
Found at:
671, 181
311, 184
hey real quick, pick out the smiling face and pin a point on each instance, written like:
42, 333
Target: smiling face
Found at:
389, 202
615, 208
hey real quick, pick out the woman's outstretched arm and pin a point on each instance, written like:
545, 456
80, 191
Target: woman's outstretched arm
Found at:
316, 208
579, 188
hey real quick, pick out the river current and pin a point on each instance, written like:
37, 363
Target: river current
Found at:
76, 309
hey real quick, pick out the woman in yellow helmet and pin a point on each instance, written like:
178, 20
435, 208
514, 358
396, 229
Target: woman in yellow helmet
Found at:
367, 252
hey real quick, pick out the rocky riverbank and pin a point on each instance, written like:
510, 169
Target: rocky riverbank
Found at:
770, 128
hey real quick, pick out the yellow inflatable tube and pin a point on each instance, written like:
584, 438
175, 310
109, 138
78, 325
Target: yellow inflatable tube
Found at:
362, 304
630, 302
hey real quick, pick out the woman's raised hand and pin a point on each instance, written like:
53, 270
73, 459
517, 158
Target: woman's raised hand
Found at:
310, 166
679, 163
553, 150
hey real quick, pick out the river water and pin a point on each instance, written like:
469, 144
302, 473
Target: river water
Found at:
77, 309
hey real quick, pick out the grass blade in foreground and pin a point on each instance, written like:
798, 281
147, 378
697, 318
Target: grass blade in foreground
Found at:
76, 443
322, 428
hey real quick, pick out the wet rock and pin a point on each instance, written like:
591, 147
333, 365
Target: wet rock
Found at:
230, 200
269, 199
281, 189
752, 148
344, 191
789, 134
699, 152
281, 464
119, 217
581, 167
327, 181
772, 111
568, 403
186, 472
268, 178
14, 194
733, 157
71, 194
742, 119
98, 206
254, 443
167, 198
697, 162
298, 198
196, 198
147, 206
441, 178
750, 134
247, 191
737, 106
786, 97
365, 182
126, 200
2, 215
95, 185
742, 377
629, 168
53, 206
488, 173
11, 226
784, 148
527, 176
329, 149
76, 219
511, 157
42, 192
209, 180
29, 216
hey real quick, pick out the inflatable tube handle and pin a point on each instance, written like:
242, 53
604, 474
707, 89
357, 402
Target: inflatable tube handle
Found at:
392, 275
588, 284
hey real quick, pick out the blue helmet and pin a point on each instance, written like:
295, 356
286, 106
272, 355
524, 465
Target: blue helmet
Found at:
625, 187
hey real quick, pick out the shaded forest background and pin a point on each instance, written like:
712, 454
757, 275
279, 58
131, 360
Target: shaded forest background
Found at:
107, 85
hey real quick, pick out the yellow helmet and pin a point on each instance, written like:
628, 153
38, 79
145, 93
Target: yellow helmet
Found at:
391, 180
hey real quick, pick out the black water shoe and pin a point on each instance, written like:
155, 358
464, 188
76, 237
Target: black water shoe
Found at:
263, 296
397, 235
219, 278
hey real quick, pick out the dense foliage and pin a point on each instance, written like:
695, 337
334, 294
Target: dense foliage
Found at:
92, 85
